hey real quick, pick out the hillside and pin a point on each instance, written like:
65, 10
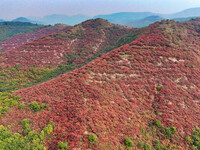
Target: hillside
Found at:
145, 93
21, 39
10, 29
52, 55
81, 41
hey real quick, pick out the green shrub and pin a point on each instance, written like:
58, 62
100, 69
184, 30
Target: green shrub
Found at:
7, 100
63, 146
147, 147
188, 139
159, 87
49, 128
140, 145
194, 147
156, 142
157, 145
157, 123
35, 106
43, 106
21, 106
168, 132
41, 135
128, 142
92, 138
195, 137
17, 67
173, 130
15, 141
197, 144
24, 122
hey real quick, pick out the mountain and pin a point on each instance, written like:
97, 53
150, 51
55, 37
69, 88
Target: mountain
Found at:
184, 19
60, 52
64, 19
83, 41
140, 19
10, 29
21, 19
145, 22
123, 18
144, 94
192, 12
21, 39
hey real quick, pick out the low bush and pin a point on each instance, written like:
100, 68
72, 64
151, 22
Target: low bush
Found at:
36, 107
63, 145
140, 145
129, 142
21, 106
147, 147
92, 138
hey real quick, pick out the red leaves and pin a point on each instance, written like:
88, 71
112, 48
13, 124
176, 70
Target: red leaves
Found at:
115, 95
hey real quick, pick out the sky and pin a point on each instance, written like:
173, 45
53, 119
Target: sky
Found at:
10, 9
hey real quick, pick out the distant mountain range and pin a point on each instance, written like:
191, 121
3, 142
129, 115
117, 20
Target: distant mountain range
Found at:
192, 12
56, 18
145, 22
135, 19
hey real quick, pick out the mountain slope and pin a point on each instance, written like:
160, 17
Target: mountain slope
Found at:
79, 43
10, 29
48, 57
21, 39
123, 93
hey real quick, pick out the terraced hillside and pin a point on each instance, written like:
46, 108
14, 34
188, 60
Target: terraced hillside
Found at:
143, 95
21, 39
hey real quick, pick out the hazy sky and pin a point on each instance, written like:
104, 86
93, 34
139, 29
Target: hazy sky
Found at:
10, 9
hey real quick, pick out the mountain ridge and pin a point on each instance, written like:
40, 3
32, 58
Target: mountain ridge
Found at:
122, 18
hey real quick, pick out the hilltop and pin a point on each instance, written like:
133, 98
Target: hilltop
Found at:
146, 92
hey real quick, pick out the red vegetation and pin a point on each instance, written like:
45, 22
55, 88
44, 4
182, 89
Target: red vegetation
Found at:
112, 96
21, 39
81, 41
